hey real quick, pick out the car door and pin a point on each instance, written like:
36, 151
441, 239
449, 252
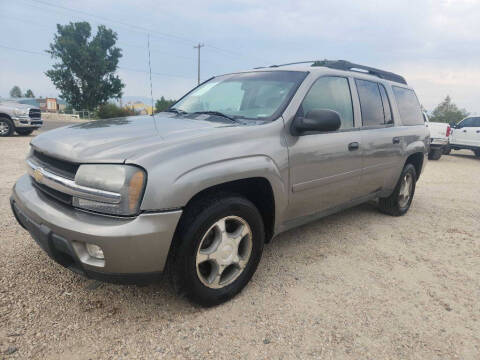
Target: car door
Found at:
381, 143
460, 133
474, 133
467, 132
325, 168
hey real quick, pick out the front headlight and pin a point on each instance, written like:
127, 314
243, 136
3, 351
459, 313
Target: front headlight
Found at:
20, 112
127, 180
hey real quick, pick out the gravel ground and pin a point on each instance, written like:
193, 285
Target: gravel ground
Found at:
356, 285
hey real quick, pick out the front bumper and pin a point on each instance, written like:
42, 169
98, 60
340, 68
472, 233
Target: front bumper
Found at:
134, 248
27, 122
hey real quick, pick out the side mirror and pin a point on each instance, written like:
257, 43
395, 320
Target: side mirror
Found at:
320, 120
452, 124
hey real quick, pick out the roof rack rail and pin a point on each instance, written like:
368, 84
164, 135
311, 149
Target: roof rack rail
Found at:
348, 66
292, 63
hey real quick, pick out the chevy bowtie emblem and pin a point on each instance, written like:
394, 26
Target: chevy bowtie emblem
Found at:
38, 175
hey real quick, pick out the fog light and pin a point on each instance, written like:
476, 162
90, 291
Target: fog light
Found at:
95, 251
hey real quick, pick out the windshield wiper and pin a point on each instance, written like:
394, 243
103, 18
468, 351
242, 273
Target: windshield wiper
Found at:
176, 111
218, 113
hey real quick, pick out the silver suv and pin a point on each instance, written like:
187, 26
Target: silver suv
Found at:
197, 191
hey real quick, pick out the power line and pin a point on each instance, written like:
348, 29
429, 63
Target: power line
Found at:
119, 67
138, 28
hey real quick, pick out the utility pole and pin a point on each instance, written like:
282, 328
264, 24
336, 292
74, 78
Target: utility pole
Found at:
150, 69
198, 47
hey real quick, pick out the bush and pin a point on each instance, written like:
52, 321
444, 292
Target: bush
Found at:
109, 110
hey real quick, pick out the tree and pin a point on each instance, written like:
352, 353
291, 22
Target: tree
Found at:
109, 110
29, 94
447, 112
163, 104
15, 92
85, 74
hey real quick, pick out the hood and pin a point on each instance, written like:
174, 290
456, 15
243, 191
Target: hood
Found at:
14, 104
115, 140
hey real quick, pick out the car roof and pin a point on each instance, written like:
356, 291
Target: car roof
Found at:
340, 67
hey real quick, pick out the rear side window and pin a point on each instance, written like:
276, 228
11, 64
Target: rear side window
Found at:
408, 106
333, 93
370, 103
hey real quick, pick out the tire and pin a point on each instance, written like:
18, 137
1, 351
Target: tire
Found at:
396, 204
447, 150
477, 153
6, 126
24, 131
198, 232
435, 154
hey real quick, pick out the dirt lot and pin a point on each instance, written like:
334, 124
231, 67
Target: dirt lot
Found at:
357, 285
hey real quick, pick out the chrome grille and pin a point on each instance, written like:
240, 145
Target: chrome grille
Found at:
35, 114
57, 166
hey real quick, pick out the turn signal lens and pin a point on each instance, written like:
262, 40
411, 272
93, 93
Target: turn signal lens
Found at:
135, 188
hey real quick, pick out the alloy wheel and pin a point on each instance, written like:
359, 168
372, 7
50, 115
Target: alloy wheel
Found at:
224, 252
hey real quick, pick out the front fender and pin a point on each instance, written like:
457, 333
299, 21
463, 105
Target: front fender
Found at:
186, 185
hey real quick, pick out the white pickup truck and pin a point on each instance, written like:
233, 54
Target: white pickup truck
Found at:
466, 135
439, 134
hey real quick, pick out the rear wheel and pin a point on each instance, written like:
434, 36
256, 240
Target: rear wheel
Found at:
435, 154
21, 131
6, 127
399, 202
217, 249
447, 150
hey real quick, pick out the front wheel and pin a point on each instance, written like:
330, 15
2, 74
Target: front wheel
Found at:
399, 202
217, 248
6, 127
24, 131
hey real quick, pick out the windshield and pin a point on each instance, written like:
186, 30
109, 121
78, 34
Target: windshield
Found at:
255, 95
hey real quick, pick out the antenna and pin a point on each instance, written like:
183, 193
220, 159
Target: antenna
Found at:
150, 69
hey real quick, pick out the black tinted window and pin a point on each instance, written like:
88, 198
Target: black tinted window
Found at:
333, 93
387, 110
471, 122
408, 106
370, 103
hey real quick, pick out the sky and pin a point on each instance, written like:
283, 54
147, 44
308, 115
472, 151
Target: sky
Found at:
434, 44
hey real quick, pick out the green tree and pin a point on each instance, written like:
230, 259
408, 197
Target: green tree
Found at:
85, 74
447, 112
15, 92
109, 110
163, 104
29, 94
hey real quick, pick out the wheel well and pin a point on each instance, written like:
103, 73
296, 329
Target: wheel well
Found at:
258, 190
5, 116
417, 161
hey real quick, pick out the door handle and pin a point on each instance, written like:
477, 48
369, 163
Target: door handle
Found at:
353, 146
478, 131
396, 140
464, 130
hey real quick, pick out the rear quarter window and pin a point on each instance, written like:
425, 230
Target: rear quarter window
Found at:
408, 106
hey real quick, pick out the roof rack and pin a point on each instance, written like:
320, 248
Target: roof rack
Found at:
348, 66
292, 63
